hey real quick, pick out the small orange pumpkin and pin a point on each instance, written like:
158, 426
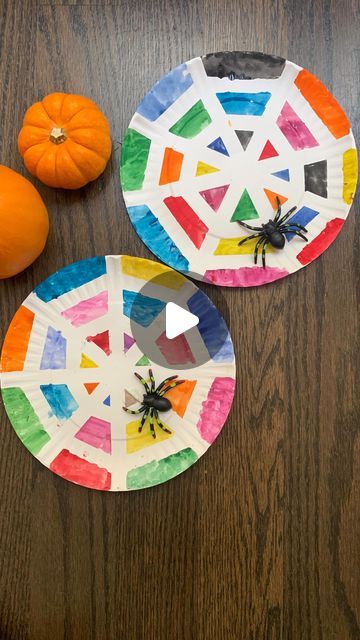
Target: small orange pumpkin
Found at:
65, 140
24, 223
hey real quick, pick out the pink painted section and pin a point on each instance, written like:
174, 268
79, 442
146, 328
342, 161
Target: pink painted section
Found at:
214, 196
215, 408
87, 310
295, 130
75, 469
96, 433
175, 351
321, 242
245, 276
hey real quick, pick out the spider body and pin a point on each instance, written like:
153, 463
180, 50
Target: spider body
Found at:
154, 401
273, 232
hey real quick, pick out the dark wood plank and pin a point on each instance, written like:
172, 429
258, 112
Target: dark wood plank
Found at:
260, 539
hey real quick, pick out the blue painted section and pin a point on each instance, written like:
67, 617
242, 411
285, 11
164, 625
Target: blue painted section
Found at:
218, 145
61, 401
155, 237
212, 328
107, 401
164, 93
283, 174
141, 309
71, 277
244, 104
303, 217
54, 354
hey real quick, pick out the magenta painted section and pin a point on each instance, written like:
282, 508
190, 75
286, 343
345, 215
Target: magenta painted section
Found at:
128, 342
96, 433
87, 310
295, 130
215, 408
215, 196
245, 276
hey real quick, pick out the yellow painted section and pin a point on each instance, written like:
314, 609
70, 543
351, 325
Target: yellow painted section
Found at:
87, 363
350, 173
203, 168
136, 440
147, 270
230, 247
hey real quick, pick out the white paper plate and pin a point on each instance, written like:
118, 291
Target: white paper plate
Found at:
68, 364
213, 142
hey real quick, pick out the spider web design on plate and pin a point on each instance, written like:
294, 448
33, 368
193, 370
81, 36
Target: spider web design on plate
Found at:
68, 364
215, 142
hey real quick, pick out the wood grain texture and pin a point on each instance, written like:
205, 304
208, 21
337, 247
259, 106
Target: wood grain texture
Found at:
260, 540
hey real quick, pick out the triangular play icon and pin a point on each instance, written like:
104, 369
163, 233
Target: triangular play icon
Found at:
272, 197
178, 320
203, 168
215, 196
244, 137
90, 386
218, 145
283, 174
128, 342
245, 209
268, 151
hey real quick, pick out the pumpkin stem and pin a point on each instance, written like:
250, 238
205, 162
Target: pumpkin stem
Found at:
57, 135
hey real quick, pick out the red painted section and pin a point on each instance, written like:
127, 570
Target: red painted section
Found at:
71, 467
101, 340
268, 151
175, 351
187, 219
321, 242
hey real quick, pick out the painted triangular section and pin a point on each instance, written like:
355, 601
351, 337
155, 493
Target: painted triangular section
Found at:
203, 168
215, 196
272, 197
244, 137
128, 342
283, 174
245, 209
102, 340
180, 396
143, 361
129, 399
218, 145
268, 151
107, 401
91, 386
87, 363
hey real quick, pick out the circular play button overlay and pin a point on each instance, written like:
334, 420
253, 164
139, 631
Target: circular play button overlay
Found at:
177, 325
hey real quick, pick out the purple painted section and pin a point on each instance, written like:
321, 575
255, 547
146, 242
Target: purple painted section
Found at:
54, 354
295, 130
245, 276
87, 310
215, 408
128, 342
97, 433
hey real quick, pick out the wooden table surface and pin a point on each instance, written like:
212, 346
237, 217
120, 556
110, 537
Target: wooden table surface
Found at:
261, 538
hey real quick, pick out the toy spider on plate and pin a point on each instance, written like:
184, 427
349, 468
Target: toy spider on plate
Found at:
154, 401
273, 232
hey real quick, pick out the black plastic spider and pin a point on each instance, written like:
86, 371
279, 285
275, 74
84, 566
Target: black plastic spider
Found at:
273, 232
154, 401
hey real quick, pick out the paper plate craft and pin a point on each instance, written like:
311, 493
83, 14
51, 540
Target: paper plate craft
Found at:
82, 397
233, 140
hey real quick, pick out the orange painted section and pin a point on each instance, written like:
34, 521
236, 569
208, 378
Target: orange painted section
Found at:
271, 195
90, 386
171, 166
323, 103
180, 396
17, 340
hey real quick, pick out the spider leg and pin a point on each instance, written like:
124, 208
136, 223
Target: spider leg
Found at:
143, 382
298, 233
254, 235
263, 253
161, 385
151, 376
257, 247
287, 215
152, 426
172, 385
143, 419
248, 226
161, 424
278, 212
287, 225
142, 408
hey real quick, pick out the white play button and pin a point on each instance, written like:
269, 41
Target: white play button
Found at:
178, 320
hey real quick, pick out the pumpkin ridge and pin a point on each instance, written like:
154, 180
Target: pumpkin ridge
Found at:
83, 109
47, 113
81, 144
42, 155
76, 165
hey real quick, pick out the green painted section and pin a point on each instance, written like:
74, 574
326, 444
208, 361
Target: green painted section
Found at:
194, 121
159, 471
24, 419
143, 362
134, 157
245, 209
